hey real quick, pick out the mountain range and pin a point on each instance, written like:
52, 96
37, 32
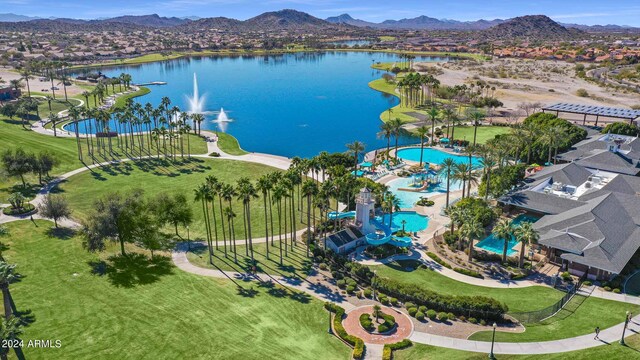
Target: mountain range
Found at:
525, 26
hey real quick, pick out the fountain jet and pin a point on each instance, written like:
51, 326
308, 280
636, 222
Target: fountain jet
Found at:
196, 102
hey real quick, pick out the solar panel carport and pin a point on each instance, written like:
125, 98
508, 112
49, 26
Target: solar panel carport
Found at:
597, 111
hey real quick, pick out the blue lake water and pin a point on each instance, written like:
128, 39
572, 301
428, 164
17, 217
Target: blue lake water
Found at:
291, 104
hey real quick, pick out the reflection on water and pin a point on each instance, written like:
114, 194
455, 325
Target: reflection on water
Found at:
287, 104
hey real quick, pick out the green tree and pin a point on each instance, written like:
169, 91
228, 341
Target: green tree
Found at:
309, 190
18, 163
527, 236
503, 230
447, 169
10, 329
356, 148
422, 132
54, 207
8, 275
472, 230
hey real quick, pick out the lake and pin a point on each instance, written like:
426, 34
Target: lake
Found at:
290, 105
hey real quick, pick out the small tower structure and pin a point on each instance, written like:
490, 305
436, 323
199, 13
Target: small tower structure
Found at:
365, 205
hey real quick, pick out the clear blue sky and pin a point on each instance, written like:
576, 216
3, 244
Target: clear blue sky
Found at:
621, 12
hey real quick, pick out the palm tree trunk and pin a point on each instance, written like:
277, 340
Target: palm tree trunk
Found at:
521, 262
253, 263
6, 300
470, 249
266, 222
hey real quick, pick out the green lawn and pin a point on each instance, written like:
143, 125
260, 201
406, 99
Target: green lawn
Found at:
155, 177
611, 352
229, 144
122, 100
485, 133
294, 263
12, 135
522, 299
109, 308
579, 317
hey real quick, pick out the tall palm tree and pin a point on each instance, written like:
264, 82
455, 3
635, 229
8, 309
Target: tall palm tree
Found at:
26, 75
461, 173
356, 148
487, 163
447, 169
503, 230
279, 192
527, 236
201, 194
433, 114
476, 116
212, 186
264, 185
386, 130
8, 275
553, 137
422, 131
54, 118
392, 203
246, 191
309, 189
74, 115
228, 193
10, 329
397, 131
472, 230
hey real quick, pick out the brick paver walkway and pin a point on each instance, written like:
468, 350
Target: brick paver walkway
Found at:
404, 326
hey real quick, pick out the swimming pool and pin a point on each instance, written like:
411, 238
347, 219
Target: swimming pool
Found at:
434, 156
495, 245
414, 221
409, 198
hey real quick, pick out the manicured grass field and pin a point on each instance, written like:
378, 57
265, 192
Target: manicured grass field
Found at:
294, 262
122, 100
111, 308
229, 144
485, 133
579, 317
155, 177
522, 299
613, 351
12, 135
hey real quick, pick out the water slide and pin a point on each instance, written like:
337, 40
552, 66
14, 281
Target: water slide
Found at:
341, 215
377, 239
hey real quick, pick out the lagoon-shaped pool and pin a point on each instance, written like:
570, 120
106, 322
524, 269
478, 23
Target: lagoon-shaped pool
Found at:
409, 198
413, 221
434, 156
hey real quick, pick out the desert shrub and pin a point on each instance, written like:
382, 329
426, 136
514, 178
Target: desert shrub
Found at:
582, 93
341, 283
451, 316
473, 320
482, 322
351, 289
607, 288
616, 290
437, 259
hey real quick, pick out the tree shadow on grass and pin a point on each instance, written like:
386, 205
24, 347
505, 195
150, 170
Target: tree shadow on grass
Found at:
132, 269
61, 233
248, 293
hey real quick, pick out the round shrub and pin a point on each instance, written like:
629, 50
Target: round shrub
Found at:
336, 275
382, 328
214, 154
323, 266
462, 318
442, 316
412, 311
482, 322
587, 283
384, 300
451, 316
365, 322
607, 288
420, 315
473, 320
360, 295
616, 290
367, 293
351, 282
341, 284
408, 305
431, 314
351, 289
422, 308
393, 301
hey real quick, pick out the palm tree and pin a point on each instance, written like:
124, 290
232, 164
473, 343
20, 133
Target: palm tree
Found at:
246, 191
447, 169
386, 130
471, 229
201, 194
85, 95
26, 75
503, 230
422, 131
309, 189
476, 116
10, 329
454, 213
212, 186
553, 138
8, 275
228, 193
392, 203
264, 185
527, 236
279, 193
433, 114
356, 148
487, 163
74, 114
461, 173
397, 131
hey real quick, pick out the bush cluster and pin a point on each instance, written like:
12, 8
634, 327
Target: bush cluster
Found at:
388, 349
365, 322
467, 272
437, 259
474, 306
388, 324
356, 342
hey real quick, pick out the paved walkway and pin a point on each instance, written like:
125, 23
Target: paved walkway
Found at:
403, 329
607, 336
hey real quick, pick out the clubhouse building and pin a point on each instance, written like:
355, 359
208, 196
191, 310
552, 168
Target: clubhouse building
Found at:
589, 206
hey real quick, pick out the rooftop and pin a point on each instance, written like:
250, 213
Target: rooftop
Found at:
619, 113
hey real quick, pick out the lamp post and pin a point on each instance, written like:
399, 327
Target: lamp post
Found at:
626, 322
188, 239
373, 283
493, 340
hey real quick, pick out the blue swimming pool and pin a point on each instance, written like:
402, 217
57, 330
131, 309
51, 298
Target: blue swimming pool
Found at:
495, 245
409, 198
434, 156
414, 221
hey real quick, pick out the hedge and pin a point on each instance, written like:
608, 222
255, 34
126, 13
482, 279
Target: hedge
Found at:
467, 272
365, 322
471, 306
356, 342
387, 351
437, 259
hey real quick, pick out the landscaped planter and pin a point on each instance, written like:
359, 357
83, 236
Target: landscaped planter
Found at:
28, 209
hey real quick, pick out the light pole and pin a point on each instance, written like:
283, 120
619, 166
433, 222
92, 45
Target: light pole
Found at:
626, 322
373, 283
493, 340
188, 241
